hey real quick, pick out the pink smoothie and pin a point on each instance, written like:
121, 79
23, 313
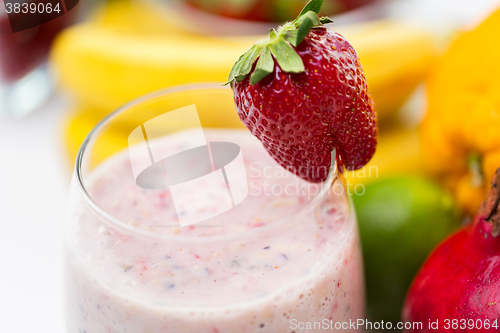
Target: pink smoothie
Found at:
278, 258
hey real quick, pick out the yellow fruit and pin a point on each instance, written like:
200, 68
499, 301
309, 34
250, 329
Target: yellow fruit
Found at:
395, 57
215, 107
398, 152
108, 68
130, 50
78, 125
461, 134
139, 17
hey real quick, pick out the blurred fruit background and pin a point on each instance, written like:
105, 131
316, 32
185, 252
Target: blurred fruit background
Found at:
401, 219
270, 10
431, 66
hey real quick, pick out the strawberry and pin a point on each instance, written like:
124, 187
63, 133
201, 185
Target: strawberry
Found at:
303, 93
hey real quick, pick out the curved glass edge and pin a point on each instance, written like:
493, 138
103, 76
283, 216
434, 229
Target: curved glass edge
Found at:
122, 227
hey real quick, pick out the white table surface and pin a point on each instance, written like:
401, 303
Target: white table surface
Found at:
34, 180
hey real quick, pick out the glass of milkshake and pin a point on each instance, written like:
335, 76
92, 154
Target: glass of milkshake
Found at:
180, 221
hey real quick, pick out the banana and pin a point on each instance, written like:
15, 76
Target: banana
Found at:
131, 49
395, 57
108, 68
398, 151
78, 123
138, 17
215, 107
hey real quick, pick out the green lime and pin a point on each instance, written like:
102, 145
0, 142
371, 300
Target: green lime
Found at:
401, 219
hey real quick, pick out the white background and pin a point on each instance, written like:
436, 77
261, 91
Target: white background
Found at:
34, 180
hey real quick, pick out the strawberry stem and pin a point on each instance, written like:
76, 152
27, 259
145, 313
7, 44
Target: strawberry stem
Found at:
313, 5
489, 208
281, 45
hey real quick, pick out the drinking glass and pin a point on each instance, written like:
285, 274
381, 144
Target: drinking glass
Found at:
180, 221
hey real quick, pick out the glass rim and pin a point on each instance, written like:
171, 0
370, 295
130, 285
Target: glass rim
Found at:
130, 230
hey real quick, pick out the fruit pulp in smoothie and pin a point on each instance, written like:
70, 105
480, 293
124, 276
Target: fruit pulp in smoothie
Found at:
278, 258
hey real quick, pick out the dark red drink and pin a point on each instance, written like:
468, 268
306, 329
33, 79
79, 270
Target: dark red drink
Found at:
25, 50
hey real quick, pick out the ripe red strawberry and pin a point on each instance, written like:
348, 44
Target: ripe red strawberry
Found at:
305, 96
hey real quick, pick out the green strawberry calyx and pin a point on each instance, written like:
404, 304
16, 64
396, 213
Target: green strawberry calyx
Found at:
279, 44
